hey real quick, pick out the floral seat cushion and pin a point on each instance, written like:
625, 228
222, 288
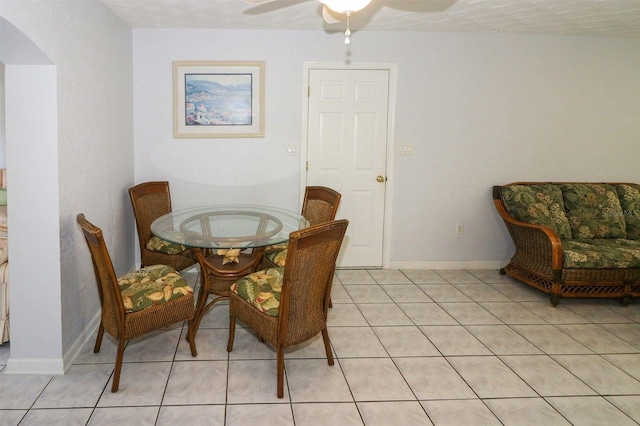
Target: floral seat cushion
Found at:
163, 246
593, 210
276, 247
277, 257
150, 286
261, 289
603, 253
540, 204
630, 202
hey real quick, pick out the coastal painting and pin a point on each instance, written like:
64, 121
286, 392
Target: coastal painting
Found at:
218, 99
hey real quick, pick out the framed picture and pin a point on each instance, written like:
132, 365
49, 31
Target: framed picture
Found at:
218, 99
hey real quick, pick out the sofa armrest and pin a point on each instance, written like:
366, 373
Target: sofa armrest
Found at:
538, 248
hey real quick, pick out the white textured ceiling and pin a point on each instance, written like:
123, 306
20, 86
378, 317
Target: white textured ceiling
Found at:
616, 18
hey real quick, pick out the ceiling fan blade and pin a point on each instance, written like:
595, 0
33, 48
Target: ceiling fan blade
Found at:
331, 17
266, 6
418, 5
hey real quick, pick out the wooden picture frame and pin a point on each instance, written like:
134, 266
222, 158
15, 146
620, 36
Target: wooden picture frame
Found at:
218, 99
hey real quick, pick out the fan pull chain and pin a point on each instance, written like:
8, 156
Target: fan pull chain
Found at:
348, 32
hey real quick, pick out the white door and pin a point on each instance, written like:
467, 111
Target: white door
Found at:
347, 151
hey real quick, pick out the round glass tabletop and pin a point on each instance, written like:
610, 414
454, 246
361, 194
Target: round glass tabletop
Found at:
228, 226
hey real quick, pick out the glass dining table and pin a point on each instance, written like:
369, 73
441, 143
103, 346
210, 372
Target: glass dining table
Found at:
228, 242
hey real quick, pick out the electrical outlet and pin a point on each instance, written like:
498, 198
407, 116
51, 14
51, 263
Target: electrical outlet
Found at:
459, 229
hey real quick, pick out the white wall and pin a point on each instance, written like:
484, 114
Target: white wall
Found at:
91, 50
479, 109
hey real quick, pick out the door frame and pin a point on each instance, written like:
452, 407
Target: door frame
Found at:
392, 68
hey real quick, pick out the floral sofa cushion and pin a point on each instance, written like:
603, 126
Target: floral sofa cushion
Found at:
629, 195
593, 210
605, 253
540, 204
261, 289
153, 285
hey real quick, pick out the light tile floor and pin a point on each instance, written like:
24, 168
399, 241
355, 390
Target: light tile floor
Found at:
412, 347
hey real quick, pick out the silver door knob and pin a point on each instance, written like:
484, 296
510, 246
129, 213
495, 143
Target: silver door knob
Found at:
380, 179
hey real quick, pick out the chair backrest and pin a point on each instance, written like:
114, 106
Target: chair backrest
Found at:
320, 204
311, 260
149, 200
110, 297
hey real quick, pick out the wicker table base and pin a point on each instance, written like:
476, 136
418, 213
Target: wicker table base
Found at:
216, 278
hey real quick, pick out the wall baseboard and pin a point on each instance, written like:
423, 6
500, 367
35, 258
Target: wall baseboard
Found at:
453, 264
87, 333
54, 366
51, 366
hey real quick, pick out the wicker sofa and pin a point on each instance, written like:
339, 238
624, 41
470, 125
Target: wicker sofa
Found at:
574, 239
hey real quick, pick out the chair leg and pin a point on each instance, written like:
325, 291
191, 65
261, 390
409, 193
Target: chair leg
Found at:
280, 371
116, 375
327, 345
191, 338
330, 286
96, 347
232, 332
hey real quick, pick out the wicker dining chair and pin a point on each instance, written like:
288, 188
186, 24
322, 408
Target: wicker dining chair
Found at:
130, 305
150, 200
299, 311
320, 205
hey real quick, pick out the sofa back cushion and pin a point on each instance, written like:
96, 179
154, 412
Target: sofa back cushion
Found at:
539, 204
629, 195
594, 210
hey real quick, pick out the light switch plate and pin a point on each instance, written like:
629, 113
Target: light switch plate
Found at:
404, 149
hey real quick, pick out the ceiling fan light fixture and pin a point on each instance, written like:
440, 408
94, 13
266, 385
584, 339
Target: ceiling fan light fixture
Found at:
344, 6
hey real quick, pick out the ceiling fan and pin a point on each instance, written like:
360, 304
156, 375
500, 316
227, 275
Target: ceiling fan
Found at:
334, 11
